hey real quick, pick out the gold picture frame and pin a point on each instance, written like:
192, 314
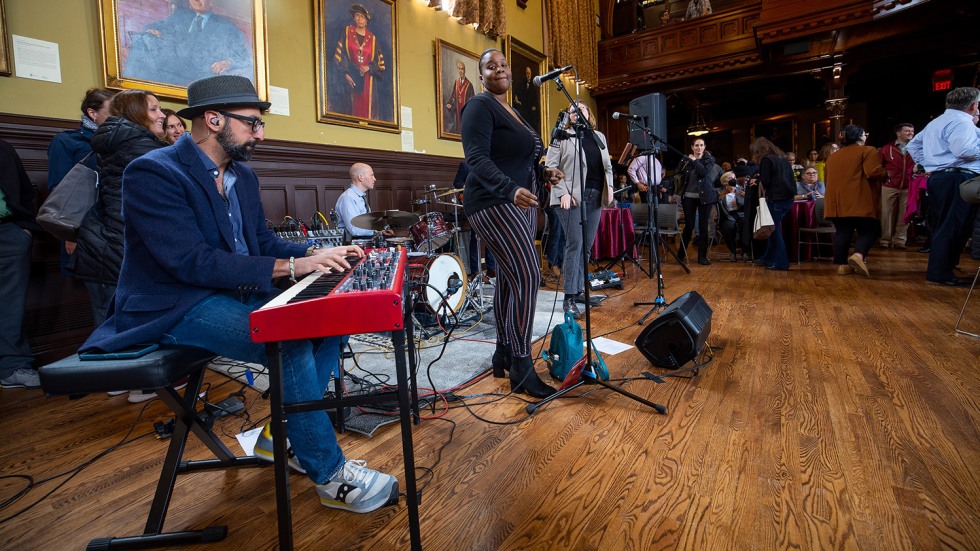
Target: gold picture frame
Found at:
162, 46
5, 68
529, 100
454, 89
357, 64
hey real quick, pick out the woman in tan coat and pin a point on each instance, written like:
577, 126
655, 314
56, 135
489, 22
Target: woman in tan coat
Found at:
853, 199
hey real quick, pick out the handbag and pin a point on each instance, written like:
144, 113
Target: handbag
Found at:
970, 190
63, 211
764, 225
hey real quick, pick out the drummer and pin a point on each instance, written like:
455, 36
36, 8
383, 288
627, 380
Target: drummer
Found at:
354, 202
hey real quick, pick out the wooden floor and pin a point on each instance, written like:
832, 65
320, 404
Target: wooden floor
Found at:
839, 413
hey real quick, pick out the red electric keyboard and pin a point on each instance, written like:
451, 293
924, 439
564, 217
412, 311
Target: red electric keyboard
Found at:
365, 299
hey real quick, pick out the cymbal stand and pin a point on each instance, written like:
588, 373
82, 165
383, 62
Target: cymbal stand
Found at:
475, 297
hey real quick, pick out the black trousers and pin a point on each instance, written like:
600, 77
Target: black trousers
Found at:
868, 230
694, 208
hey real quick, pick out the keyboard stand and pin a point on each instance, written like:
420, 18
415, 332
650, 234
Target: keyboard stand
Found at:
407, 394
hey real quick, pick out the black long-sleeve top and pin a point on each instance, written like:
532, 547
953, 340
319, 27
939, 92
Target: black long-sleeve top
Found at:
776, 175
501, 152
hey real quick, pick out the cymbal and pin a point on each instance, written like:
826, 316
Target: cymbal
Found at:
451, 191
439, 190
448, 204
380, 220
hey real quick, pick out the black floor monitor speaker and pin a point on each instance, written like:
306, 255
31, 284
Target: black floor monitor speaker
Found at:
678, 334
653, 109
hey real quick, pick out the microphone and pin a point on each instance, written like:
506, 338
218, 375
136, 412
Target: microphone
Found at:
617, 115
453, 284
559, 132
551, 75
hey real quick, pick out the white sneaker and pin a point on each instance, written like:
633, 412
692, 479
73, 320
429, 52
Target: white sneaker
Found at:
264, 449
23, 377
138, 396
354, 487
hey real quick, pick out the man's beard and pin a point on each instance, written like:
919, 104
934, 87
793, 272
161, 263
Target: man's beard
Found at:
238, 152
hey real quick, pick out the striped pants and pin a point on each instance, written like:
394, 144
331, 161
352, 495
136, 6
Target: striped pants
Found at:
508, 231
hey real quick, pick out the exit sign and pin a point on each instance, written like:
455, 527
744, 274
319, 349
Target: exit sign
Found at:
942, 80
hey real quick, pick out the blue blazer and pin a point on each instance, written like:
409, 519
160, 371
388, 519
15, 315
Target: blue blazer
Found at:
180, 246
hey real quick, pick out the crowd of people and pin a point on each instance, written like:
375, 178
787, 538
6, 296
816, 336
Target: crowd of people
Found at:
198, 257
880, 197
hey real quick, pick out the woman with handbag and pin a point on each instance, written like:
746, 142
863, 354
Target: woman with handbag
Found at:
853, 199
135, 126
777, 187
71, 146
701, 179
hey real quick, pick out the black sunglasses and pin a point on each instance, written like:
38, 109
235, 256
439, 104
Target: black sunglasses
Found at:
257, 123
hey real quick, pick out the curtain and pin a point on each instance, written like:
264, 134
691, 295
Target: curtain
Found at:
573, 36
489, 15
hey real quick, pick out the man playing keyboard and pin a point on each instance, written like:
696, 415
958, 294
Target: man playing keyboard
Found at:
198, 259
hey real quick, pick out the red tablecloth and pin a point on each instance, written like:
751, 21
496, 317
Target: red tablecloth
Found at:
614, 234
801, 215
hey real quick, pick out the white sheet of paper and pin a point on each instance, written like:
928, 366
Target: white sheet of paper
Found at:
408, 140
406, 117
609, 346
248, 439
280, 100
36, 59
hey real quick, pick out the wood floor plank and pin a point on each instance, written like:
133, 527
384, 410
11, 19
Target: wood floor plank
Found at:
837, 413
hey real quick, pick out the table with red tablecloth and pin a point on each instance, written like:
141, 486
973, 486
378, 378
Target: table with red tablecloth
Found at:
801, 215
614, 234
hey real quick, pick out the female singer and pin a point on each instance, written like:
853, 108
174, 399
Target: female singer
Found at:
565, 155
502, 151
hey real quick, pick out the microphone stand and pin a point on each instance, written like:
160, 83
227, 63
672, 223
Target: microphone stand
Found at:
591, 371
653, 224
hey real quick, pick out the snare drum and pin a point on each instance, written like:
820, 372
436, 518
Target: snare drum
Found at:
376, 242
406, 242
442, 275
431, 232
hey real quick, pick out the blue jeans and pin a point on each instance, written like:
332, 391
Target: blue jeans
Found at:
776, 254
555, 252
15, 270
219, 323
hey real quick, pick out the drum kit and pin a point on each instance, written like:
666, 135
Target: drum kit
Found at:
435, 255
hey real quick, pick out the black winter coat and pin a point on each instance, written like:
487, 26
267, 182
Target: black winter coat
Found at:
117, 142
703, 174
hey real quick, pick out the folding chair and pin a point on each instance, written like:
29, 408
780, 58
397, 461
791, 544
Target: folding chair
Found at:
822, 226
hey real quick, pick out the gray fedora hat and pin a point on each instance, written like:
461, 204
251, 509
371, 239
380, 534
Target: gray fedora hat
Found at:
220, 92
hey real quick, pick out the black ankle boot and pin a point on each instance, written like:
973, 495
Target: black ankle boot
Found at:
523, 378
501, 360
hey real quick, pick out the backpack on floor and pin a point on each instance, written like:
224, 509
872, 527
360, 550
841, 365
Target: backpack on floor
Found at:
565, 349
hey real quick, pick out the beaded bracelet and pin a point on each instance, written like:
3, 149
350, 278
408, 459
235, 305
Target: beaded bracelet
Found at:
292, 269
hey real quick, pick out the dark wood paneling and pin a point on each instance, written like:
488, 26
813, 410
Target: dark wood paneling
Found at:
297, 179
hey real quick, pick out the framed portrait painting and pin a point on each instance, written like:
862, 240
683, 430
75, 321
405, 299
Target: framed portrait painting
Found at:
4, 51
357, 65
164, 45
456, 83
529, 100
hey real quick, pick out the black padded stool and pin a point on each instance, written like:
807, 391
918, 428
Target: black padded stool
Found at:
156, 371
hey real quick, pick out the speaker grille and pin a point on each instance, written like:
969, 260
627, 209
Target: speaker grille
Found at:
678, 334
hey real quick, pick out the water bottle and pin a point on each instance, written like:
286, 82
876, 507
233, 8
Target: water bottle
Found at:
333, 219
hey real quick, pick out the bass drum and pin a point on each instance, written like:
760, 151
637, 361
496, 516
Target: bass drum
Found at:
441, 276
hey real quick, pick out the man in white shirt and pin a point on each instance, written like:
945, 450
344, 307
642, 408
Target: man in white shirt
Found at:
353, 202
949, 149
638, 175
